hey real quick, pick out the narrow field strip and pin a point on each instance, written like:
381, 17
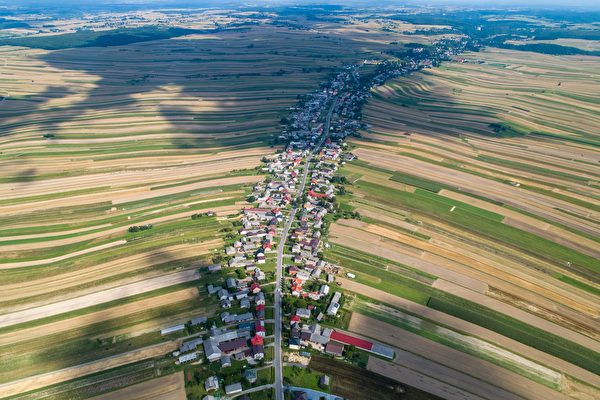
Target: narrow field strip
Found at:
97, 298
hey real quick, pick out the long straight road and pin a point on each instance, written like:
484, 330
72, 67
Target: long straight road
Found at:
277, 359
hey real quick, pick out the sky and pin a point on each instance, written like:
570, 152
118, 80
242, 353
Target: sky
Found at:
568, 4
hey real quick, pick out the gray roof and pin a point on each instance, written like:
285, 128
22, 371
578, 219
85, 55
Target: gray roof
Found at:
190, 345
233, 388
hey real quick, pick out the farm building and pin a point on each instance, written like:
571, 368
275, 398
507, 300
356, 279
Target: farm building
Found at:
172, 329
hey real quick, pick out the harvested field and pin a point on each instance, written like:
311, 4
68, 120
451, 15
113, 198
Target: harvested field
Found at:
357, 384
471, 329
451, 366
421, 381
97, 317
516, 313
170, 387
45, 286
39, 381
96, 298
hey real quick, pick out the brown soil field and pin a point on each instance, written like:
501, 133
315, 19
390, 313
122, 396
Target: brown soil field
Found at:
452, 366
135, 262
418, 380
97, 298
170, 387
98, 316
471, 329
51, 378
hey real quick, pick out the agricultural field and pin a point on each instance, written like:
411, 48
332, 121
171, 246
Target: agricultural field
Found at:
468, 222
106, 153
476, 234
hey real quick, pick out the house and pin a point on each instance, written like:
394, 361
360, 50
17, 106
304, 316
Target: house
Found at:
324, 381
222, 294
198, 320
231, 283
225, 303
259, 275
295, 344
214, 268
225, 362
334, 348
211, 350
255, 288
334, 305
245, 303
324, 290
212, 289
251, 375
233, 388
257, 340
190, 345
259, 328
187, 358
295, 319
303, 313
211, 383
258, 352
260, 298
230, 251
232, 346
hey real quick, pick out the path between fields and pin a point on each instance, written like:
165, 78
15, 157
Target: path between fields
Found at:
170, 387
34, 263
65, 374
517, 313
93, 299
472, 329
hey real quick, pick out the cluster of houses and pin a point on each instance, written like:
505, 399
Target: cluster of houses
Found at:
258, 232
241, 336
244, 341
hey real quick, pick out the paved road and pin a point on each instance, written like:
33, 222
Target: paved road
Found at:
277, 360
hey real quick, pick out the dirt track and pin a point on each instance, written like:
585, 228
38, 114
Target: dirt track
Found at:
472, 329
51, 378
97, 298
518, 314
60, 258
452, 366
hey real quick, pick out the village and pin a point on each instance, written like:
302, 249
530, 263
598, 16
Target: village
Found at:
300, 190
